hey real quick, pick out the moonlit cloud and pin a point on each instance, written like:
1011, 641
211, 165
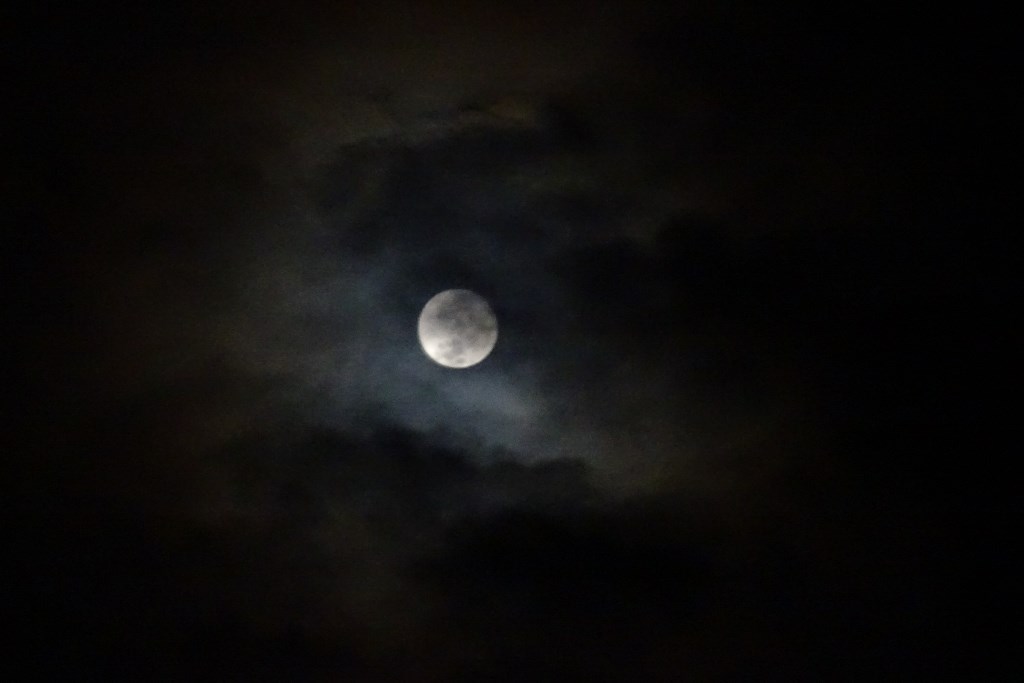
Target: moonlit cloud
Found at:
725, 247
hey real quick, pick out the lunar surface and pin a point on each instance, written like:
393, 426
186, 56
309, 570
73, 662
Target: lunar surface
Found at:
457, 328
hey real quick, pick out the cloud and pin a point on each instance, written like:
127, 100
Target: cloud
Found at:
714, 436
280, 535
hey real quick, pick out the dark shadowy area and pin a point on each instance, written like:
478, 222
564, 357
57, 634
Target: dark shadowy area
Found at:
741, 420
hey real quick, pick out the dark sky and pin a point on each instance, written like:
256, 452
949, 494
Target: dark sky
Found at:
741, 262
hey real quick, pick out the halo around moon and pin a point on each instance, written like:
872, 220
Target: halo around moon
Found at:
457, 328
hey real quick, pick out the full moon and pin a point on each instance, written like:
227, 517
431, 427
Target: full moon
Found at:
457, 328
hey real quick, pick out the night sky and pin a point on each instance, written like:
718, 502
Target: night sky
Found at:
733, 427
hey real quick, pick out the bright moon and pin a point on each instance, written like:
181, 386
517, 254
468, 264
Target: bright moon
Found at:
457, 328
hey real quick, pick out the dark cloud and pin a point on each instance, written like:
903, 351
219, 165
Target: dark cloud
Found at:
739, 260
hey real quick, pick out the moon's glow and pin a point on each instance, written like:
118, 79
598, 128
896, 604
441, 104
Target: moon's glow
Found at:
457, 328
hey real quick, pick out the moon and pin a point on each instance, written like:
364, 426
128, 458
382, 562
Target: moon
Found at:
457, 328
